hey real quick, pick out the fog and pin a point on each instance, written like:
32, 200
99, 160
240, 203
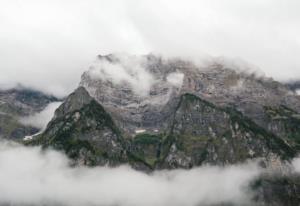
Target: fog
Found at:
41, 119
128, 70
32, 176
296, 164
46, 45
175, 79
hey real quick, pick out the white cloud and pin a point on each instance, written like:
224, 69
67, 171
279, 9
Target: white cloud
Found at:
41, 119
48, 44
32, 177
129, 69
175, 79
296, 164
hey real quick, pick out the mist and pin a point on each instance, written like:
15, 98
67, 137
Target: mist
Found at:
296, 164
46, 45
41, 119
128, 70
32, 176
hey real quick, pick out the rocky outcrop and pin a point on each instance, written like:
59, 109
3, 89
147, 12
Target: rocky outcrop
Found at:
205, 134
83, 129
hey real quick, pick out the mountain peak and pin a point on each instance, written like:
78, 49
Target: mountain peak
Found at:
138, 90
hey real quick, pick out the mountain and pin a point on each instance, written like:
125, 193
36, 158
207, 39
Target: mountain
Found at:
18, 103
156, 113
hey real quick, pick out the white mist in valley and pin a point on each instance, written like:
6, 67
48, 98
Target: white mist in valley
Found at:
41, 119
32, 176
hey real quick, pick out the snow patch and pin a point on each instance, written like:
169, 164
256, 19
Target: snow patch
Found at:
30, 137
139, 131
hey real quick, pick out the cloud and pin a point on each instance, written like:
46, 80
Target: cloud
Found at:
31, 176
48, 44
41, 119
175, 78
128, 70
296, 164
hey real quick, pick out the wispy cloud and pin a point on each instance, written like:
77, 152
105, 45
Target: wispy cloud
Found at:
41, 119
129, 70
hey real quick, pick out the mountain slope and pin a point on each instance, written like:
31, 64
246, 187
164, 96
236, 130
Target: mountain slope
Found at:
200, 132
18, 103
204, 133
84, 131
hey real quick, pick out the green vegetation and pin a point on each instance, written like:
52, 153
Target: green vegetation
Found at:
148, 148
146, 139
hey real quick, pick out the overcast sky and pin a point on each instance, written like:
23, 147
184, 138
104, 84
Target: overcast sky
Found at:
48, 44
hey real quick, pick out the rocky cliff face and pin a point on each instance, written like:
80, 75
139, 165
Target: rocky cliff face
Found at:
17, 103
163, 114
215, 83
201, 114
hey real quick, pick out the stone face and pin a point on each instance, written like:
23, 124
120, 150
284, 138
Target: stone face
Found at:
83, 129
131, 111
17, 103
205, 134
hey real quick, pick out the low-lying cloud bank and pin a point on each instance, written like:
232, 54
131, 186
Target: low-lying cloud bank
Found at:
32, 176
41, 119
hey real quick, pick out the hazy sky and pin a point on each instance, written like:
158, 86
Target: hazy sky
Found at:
48, 44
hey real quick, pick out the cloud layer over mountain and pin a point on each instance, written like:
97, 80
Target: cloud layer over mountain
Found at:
41, 119
48, 44
31, 176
